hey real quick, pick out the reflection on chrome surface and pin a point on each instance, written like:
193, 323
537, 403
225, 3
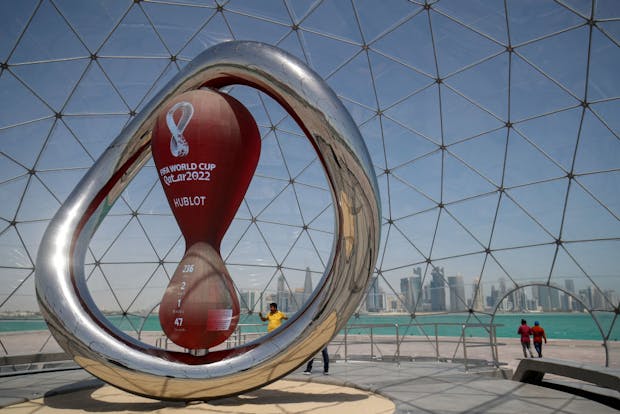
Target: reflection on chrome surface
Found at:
103, 350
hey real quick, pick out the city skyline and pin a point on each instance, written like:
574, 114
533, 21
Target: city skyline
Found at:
540, 297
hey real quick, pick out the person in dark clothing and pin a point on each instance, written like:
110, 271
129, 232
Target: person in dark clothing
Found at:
325, 355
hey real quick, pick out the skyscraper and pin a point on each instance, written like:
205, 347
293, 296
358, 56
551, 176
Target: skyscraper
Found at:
478, 295
586, 298
438, 289
251, 300
374, 297
307, 285
567, 300
406, 289
548, 298
507, 302
411, 288
598, 300
457, 293
283, 296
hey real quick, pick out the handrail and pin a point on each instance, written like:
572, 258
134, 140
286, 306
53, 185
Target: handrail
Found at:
358, 335
490, 328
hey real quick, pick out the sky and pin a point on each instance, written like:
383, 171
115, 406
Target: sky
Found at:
492, 126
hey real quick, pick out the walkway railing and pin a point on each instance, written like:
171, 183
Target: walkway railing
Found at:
470, 344
401, 344
397, 342
245, 332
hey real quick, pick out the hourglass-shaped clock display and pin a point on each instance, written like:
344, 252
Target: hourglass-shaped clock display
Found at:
206, 147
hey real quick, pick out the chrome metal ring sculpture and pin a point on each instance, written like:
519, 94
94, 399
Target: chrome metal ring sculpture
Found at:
118, 359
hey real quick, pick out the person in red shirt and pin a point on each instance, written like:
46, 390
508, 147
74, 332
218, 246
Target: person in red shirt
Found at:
525, 332
538, 334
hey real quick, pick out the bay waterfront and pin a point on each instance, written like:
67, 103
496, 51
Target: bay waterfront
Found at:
572, 326
573, 336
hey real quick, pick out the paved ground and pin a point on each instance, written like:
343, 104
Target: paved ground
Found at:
362, 387
417, 385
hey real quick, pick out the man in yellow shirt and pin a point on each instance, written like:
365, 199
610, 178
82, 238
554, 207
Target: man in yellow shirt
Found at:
274, 317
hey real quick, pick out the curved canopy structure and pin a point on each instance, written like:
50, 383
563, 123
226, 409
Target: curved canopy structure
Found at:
493, 128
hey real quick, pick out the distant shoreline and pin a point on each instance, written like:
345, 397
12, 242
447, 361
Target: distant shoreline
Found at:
37, 315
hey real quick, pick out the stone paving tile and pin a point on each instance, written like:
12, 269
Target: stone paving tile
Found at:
447, 388
420, 387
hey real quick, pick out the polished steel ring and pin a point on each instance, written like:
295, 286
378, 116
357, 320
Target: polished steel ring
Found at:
104, 351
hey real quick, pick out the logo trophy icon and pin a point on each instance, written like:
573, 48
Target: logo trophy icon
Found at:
206, 147
178, 145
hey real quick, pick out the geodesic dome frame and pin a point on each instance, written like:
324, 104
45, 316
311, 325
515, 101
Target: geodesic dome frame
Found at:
492, 127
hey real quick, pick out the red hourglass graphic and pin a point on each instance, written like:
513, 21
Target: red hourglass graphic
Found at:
205, 146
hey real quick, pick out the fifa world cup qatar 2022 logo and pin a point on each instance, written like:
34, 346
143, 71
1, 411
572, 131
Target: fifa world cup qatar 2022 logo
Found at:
206, 146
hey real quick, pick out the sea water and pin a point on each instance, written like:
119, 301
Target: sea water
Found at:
594, 326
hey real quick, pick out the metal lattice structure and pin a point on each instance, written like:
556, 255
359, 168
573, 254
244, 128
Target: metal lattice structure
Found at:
493, 128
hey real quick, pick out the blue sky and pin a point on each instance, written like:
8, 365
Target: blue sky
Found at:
493, 128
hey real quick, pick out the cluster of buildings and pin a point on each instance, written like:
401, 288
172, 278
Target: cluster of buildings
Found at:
437, 293
289, 299
441, 293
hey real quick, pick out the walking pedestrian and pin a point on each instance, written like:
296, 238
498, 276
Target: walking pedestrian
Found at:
525, 332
